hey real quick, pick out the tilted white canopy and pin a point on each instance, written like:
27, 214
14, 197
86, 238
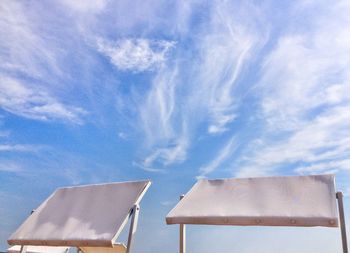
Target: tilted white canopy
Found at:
82, 216
117, 248
266, 201
38, 249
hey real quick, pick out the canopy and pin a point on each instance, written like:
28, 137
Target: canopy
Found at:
90, 216
117, 248
38, 249
265, 201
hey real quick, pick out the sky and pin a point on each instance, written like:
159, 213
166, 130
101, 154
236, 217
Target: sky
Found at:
173, 91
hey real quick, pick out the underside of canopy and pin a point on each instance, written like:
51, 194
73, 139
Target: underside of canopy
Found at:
38, 249
265, 201
117, 248
82, 216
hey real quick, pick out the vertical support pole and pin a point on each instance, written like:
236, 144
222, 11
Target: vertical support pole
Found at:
342, 221
182, 235
23, 249
133, 225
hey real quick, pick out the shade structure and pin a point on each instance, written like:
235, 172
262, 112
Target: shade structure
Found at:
265, 201
117, 248
83, 216
38, 249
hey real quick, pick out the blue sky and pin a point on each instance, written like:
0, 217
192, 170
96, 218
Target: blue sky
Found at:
172, 91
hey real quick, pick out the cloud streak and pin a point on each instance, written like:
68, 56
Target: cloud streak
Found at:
33, 103
225, 153
204, 85
30, 67
136, 55
304, 103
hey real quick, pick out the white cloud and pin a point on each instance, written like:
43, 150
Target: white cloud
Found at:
202, 85
136, 54
31, 67
23, 48
166, 131
18, 148
323, 141
10, 167
157, 112
34, 103
4, 133
86, 5
227, 46
225, 153
304, 100
122, 135
167, 155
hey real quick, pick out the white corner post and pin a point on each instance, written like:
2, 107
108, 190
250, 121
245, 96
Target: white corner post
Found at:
133, 226
182, 234
342, 221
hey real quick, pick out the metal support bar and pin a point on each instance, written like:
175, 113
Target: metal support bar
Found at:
133, 226
23, 249
182, 235
342, 221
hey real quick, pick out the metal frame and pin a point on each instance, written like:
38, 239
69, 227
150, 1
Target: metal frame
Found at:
133, 226
127, 218
134, 214
182, 234
339, 196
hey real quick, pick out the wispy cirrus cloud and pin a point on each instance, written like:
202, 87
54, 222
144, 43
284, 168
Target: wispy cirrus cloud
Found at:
18, 148
34, 103
136, 54
30, 68
304, 103
224, 154
227, 49
86, 6
10, 167
203, 86
169, 154
164, 126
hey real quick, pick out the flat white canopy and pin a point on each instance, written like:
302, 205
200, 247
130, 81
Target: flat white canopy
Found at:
91, 216
266, 201
117, 248
38, 249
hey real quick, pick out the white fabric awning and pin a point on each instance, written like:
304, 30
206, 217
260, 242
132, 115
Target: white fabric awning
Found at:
90, 216
266, 201
117, 248
38, 249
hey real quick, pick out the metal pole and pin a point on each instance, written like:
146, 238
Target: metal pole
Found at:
133, 225
23, 249
182, 234
342, 221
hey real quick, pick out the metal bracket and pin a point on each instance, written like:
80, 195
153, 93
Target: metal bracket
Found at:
133, 226
23, 249
339, 196
182, 234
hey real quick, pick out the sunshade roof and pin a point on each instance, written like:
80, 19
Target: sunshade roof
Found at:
90, 215
266, 201
117, 248
38, 249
